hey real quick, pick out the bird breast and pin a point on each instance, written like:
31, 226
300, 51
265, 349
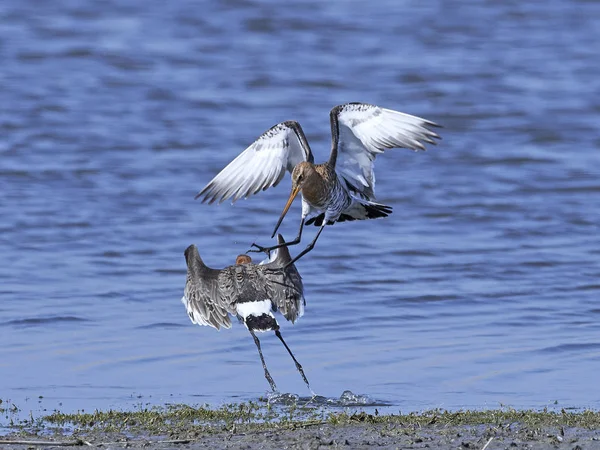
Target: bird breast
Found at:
317, 188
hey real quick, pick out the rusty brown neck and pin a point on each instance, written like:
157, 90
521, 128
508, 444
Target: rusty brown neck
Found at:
317, 185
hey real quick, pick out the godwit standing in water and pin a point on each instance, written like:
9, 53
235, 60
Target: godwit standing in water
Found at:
341, 188
252, 292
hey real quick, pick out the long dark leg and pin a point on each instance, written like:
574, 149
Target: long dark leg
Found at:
308, 248
267, 374
267, 250
298, 366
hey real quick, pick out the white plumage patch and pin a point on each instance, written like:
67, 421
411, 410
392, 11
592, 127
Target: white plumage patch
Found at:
270, 259
301, 308
368, 130
261, 166
194, 315
255, 308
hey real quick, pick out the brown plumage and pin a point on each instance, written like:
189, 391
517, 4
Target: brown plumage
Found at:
251, 292
243, 259
341, 189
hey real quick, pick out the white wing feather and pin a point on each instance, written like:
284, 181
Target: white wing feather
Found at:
260, 166
367, 130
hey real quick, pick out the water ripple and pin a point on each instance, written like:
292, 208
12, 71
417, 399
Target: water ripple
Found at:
42, 321
475, 291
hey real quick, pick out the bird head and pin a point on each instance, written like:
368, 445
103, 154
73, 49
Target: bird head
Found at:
301, 173
242, 259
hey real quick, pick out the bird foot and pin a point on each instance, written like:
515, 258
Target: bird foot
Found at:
260, 248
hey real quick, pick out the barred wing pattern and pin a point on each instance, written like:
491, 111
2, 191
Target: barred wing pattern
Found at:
362, 131
202, 297
241, 284
211, 295
286, 288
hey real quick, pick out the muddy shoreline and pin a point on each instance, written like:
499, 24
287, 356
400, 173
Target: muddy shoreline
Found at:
333, 436
254, 426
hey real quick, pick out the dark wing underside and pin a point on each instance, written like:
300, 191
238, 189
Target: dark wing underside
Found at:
285, 285
202, 297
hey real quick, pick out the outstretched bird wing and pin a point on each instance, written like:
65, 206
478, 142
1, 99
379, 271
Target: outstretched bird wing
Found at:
362, 131
285, 285
202, 297
260, 166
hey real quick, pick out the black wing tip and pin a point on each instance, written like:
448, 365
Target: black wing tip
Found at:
203, 192
432, 136
429, 123
429, 139
190, 251
211, 197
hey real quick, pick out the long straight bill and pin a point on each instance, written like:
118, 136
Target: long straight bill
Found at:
285, 210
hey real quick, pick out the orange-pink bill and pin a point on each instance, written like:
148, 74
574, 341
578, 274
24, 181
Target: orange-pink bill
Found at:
287, 207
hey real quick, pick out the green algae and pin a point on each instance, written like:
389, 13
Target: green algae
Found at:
189, 421
263, 425
173, 418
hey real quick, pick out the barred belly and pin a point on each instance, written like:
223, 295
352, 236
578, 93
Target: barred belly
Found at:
339, 201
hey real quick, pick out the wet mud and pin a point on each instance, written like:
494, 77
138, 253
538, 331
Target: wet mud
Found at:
263, 426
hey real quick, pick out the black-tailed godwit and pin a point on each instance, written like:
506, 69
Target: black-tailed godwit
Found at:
252, 292
338, 190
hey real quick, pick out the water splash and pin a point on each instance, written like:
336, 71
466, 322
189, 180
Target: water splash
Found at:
279, 398
347, 399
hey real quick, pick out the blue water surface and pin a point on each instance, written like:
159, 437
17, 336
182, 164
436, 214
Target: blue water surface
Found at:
481, 290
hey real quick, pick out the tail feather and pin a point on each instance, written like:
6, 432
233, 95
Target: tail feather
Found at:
257, 315
359, 210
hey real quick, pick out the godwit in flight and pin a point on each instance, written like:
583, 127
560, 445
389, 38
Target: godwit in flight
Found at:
252, 292
338, 190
